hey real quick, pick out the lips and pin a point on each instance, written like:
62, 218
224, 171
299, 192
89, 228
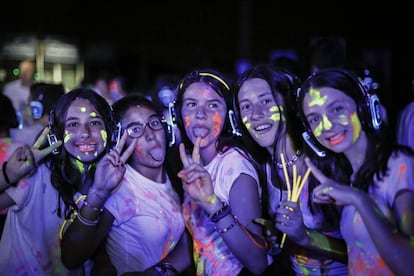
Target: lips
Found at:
86, 147
336, 139
262, 128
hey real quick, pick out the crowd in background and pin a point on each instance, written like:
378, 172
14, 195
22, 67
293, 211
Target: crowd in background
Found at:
270, 169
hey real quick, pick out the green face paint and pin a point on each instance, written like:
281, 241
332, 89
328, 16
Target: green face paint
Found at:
276, 111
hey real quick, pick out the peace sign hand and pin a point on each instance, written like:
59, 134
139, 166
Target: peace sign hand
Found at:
196, 180
111, 168
329, 191
25, 159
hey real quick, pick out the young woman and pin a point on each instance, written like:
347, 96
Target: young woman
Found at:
264, 99
141, 217
41, 188
222, 192
363, 173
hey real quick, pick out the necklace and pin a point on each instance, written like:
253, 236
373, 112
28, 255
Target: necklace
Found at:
291, 161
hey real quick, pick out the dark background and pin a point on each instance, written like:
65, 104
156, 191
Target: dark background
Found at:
148, 38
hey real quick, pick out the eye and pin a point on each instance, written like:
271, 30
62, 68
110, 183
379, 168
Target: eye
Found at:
97, 123
135, 129
155, 123
338, 108
213, 105
312, 120
267, 101
245, 107
71, 124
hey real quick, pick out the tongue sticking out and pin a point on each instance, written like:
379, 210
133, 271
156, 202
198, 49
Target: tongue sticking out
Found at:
157, 154
200, 132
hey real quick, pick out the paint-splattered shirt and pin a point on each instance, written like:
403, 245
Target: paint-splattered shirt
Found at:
211, 254
364, 259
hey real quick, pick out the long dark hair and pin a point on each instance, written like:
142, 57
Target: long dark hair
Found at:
282, 83
66, 177
381, 143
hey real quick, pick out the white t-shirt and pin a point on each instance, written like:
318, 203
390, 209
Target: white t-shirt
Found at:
30, 243
148, 222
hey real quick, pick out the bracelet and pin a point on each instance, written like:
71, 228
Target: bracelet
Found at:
86, 221
164, 268
100, 210
6, 177
225, 230
221, 213
100, 194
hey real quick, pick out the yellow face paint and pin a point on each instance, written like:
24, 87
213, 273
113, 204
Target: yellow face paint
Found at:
343, 120
79, 165
356, 124
248, 125
104, 136
316, 98
324, 124
67, 136
83, 109
93, 114
277, 110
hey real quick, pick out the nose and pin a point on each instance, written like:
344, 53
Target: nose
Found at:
257, 112
149, 133
85, 132
200, 113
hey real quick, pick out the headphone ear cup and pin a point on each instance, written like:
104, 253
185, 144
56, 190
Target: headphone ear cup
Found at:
372, 107
36, 108
232, 118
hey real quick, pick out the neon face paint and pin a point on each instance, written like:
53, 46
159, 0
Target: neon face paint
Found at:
218, 122
316, 98
356, 125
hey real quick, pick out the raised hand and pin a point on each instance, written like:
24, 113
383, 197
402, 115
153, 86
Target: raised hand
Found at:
196, 180
111, 168
329, 191
25, 159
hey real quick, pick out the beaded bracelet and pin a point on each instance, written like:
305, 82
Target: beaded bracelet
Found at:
221, 213
6, 177
86, 221
225, 230
100, 210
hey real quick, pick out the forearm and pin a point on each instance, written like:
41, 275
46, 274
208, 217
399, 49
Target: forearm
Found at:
330, 247
81, 238
394, 247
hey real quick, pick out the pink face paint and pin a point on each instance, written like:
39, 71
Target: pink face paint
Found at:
138, 150
187, 121
218, 122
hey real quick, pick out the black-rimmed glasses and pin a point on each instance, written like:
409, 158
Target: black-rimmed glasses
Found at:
136, 130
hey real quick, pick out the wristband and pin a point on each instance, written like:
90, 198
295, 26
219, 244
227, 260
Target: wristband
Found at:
221, 213
6, 177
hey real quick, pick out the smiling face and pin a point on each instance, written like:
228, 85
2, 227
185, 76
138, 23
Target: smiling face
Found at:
85, 136
333, 118
151, 146
203, 113
259, 111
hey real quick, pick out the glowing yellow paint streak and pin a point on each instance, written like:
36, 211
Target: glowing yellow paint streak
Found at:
277, 110
218, 120
93, 114
326, 123
67, 136
104, 136
316, 98
83, 109
248, 125
356, 124
343, 120
79, 165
